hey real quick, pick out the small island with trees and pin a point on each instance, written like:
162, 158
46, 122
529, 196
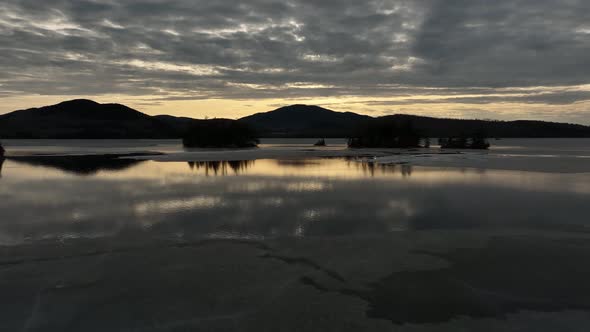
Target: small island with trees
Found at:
220, 133
320, 142
476, 142
388, 133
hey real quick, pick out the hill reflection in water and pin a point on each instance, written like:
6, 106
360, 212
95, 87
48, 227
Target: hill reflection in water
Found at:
277, 198
83, 165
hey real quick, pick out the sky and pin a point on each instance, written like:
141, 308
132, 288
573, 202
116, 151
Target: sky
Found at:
516, 59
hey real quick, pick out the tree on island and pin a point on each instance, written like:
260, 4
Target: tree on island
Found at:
387, 134
220, 133
477, 141
321, 142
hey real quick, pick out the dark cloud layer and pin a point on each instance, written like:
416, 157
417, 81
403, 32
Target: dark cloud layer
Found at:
295, 48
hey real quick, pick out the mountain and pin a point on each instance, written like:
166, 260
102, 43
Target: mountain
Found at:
83, 118
305, 121
437, 127
314, 121
179, 124
88, 119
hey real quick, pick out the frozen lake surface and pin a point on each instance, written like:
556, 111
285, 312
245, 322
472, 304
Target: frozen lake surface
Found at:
291, 237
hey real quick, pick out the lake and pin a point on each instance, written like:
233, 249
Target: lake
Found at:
352, 229
276, 198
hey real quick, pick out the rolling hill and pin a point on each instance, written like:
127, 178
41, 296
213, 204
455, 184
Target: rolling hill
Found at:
83, 119
314, 121
88, 119
437, 127
305, 121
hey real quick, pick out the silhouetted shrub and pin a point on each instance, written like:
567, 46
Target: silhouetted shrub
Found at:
220, 133
321, 142
477, 141
386, 134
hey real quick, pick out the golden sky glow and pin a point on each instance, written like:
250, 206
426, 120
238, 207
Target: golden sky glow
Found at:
427, 105
529, 60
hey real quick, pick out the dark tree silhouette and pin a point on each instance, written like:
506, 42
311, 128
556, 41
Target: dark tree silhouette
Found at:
220, 133
476, 141
321, 142
383, 133
479, 141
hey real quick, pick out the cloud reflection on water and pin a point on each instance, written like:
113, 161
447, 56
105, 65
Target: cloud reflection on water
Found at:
270, 198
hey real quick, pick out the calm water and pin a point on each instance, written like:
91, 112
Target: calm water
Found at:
338, 244
279, 198
560, 146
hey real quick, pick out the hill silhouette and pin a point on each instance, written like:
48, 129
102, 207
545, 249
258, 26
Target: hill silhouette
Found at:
314, 121
305, 121
180, 125
88, 119
83, 118
437, 127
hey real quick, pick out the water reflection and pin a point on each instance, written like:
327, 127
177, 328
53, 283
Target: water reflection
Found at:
354, 167
298, 163
79, 165
220, 168
272, 198
145, 209
372, 168
331, 167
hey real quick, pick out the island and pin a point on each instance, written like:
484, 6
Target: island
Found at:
385, 133
320, 142
220, 133
476, 142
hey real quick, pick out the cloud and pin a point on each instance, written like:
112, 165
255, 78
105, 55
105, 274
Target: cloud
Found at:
186, 49
505, 43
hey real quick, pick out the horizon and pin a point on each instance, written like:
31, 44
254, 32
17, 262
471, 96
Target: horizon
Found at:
278, 107
472, 60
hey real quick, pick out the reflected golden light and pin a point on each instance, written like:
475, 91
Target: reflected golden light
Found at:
315, 175
167, 206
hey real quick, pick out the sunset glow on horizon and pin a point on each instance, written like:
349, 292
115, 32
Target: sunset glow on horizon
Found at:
457, 59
